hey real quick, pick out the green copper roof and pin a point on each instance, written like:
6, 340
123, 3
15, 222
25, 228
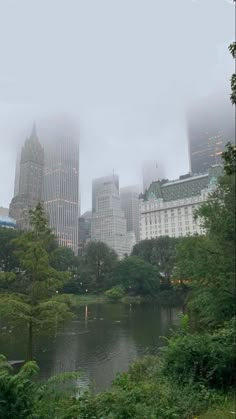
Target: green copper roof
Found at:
183, 188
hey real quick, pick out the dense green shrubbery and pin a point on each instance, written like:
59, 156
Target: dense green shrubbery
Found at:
115, 293
207, 358
189, 377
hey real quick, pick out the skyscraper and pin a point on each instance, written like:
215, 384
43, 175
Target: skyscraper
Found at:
129, 196
99, 183
108, 221
61, 182
211, 124
30, 181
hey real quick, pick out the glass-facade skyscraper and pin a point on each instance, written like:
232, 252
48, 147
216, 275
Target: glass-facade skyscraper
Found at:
61, 189
211, 125
60, 137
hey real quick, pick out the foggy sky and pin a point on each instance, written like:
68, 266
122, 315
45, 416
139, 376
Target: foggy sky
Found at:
125, 70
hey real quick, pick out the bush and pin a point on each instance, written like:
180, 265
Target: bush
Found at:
207, 358
115, 293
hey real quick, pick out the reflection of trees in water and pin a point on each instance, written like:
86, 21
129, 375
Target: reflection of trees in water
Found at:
148, 323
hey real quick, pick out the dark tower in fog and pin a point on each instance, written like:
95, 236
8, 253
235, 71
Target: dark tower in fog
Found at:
211, 125
30, 173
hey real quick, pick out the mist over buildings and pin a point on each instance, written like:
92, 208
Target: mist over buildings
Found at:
122, 74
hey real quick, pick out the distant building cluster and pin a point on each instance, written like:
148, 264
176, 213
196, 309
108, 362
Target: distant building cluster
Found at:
47, 171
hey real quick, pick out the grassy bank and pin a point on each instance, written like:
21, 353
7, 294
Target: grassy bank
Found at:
167, 297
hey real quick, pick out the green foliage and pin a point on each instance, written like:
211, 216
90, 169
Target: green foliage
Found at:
160, 252
30, 294
16, 391
137, 277
206, 358
115, 293
96, 267
208, 262
63, 259
232, 49
23, 397
8, 260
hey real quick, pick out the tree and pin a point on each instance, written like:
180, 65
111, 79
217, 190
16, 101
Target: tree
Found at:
97, 265
209, 262
33, 297
8, 260
137, 277
160, 252
63, 259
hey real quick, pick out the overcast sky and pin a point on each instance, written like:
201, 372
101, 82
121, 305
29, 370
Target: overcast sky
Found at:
125, 70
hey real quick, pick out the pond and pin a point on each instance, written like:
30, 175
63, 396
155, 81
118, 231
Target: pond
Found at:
102, 340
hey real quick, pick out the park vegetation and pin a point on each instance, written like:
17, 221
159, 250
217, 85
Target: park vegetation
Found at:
194, 374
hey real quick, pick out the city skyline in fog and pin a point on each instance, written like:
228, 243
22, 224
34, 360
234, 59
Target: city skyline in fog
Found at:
125, 72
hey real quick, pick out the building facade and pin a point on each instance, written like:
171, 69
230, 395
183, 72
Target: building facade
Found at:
168, 209
108, 220
30, 181
129, 197
211, 125
98, 184
61, 187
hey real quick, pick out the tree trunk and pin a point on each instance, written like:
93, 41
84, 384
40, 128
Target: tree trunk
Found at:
30, 342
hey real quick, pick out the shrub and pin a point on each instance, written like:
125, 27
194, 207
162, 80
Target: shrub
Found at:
208, 358
115, 293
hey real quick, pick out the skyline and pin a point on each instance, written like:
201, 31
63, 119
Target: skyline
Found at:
128, 90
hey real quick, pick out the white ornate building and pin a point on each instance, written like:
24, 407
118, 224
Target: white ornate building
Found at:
168, 209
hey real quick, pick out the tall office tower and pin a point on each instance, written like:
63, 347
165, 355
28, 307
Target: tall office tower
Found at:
211, 124
61, 181
30, 181
108, 221
152, 172
129, 196
99, 183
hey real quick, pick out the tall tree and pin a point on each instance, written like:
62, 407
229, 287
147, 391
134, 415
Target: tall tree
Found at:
137, 277
97, 265
35, 300
160, 252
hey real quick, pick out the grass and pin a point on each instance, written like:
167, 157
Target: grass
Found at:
88, 299
227, 410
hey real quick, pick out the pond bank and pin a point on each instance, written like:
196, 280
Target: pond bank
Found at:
167, 297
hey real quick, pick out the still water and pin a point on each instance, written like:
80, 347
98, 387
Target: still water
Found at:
102, 340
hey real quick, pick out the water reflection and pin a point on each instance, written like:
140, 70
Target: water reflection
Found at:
101, 341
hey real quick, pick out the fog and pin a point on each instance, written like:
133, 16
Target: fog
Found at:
125, 71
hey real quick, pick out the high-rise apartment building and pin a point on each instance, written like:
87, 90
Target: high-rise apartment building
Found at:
30, 181
151, 173
98, 185
168, 208
61, 185
129, 196
108, 220
211, 125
